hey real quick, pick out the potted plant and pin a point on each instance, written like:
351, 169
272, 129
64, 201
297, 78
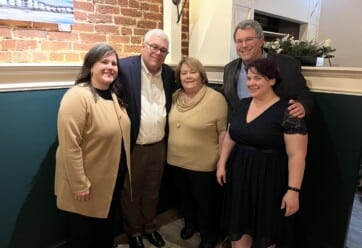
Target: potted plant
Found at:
306, 51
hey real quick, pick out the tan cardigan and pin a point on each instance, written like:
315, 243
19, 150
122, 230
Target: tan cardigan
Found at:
90, 134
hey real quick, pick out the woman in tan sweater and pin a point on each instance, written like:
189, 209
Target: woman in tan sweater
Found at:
93, 152
197, 123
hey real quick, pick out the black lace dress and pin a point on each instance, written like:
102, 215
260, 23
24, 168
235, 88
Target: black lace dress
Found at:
257, 175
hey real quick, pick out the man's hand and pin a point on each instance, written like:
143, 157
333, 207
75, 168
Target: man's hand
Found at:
296, 109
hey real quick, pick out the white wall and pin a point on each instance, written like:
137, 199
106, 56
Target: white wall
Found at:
212, 24
210, 31
211, 27
342, 22
292, 9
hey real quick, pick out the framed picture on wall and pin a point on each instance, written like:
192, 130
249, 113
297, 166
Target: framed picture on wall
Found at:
49, 11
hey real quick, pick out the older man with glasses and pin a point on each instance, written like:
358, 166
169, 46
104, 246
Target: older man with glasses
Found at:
148, 85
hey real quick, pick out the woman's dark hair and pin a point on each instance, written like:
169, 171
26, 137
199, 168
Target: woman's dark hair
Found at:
267, 68
95, 54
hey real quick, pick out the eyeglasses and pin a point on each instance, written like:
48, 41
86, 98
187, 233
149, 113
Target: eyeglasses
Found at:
154, 48
246, 41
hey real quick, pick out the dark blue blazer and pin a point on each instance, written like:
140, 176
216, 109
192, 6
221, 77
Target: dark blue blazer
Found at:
130, 80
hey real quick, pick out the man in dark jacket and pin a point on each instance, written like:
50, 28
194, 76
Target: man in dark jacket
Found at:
148, 85
249, 40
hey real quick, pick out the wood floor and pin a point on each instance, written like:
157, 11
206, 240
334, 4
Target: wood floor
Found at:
354, 235
171, 226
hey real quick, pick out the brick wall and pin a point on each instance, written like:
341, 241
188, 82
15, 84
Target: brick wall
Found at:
120, 23
185, 30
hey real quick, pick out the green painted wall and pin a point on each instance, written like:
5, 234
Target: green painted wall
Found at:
28, 214
29, 217
334, 153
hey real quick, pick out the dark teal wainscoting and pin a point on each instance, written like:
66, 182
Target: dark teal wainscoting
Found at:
28, 213
335, 145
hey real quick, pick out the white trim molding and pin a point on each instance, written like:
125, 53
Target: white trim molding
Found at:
23, 77
335, 80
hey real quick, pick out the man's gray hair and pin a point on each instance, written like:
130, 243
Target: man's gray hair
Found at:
156, 32
249, 24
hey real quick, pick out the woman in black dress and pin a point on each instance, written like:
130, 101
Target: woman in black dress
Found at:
262, 164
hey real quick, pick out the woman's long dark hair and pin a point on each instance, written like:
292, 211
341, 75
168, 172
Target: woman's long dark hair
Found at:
95, 54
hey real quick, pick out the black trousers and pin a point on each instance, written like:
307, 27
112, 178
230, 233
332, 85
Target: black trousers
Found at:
199, 196
90, 232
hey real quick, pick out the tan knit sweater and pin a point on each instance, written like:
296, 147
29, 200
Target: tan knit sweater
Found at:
194, 130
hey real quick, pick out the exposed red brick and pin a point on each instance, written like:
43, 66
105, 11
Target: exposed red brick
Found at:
119, 39
72, 57
39, 56
29, 33
78, 46
55, 45
126, 31
132, 49
146, 24
131, 12
100, 28
136, 40
97, 18
44, 26
5, 32
20, 57
153, 16
134, 4
107, 9
21, 45
56, 57
83, 6
80, 16
84, 27
125, 21
13, 23
111, 2
92, 38
123, 3
120, 23
56, 36
7, 45
150, 7
5, 57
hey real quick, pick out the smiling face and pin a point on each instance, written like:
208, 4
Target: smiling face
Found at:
154, 52
190, 78
104, 72
258, 84
248, 45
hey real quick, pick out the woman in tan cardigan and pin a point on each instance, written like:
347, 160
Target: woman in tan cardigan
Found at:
93, 152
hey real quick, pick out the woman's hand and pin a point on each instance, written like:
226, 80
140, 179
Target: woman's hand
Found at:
82, 196
221, 174
290, 202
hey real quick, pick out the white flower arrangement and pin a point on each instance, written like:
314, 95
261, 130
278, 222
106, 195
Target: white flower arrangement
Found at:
296, 48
